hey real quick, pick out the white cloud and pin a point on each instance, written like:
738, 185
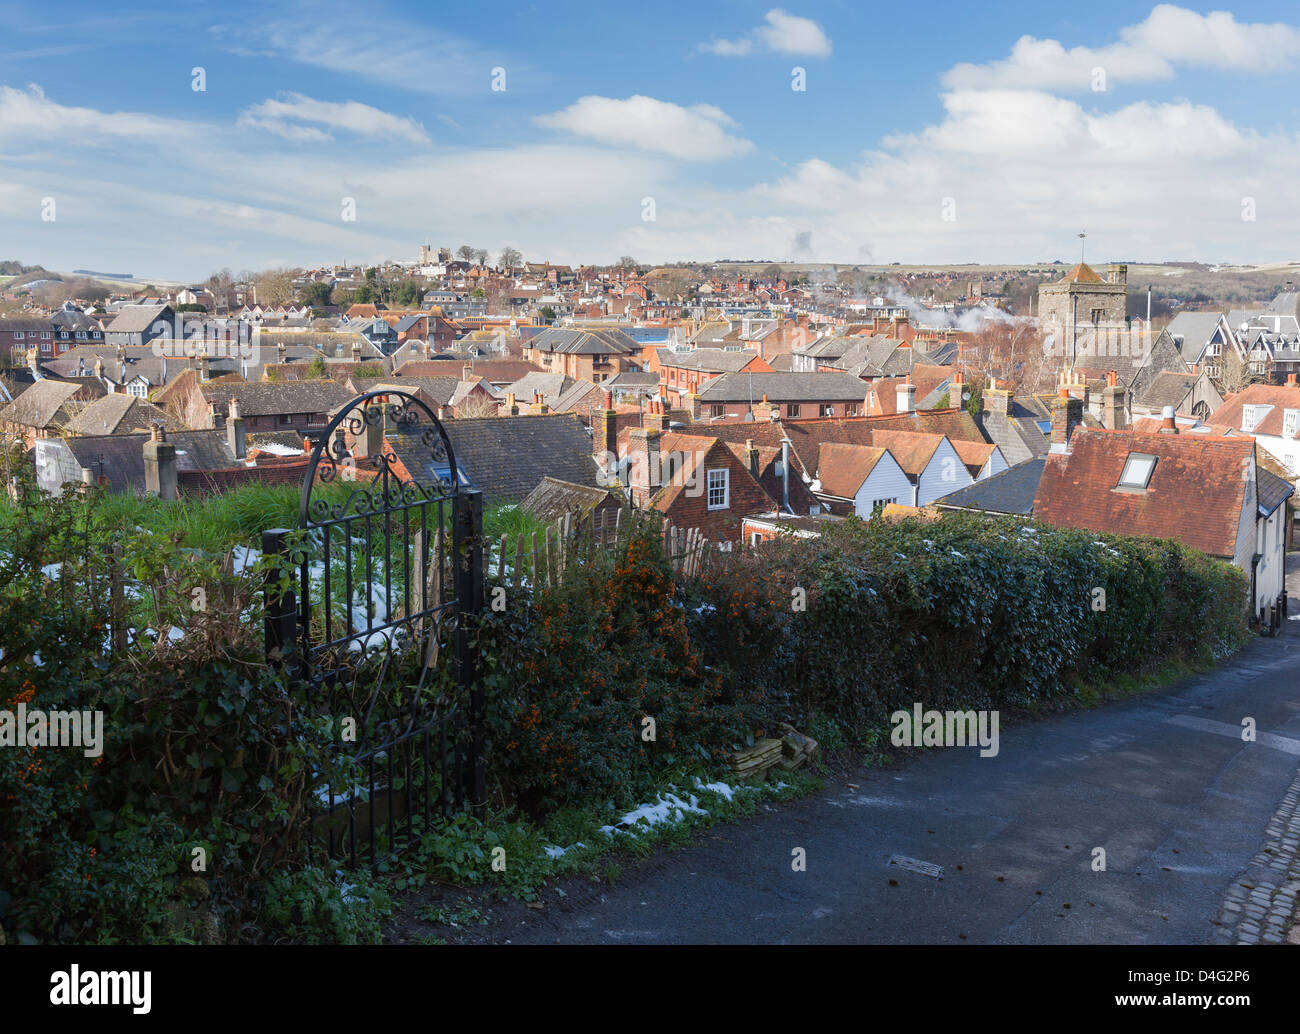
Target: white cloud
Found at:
286, 114
30, 115
783, 33
697, 133
1148, 51
393, 50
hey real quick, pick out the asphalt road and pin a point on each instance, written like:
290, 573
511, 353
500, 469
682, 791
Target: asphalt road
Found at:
1163, 783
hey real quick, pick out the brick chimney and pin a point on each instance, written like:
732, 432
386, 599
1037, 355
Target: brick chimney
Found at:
955, 388
235, 431
750, 457
356, 351
606, 437
1112, 403
767, 410
1168, 422
1290, 380
370, 442
997, 401
644, 470
280, 352
512, 404
661, 419
1067, 414
160, 464
693, 405
467, 372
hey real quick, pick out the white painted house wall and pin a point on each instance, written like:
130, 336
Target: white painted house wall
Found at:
943, 475
887, 480
1271, 572
995, 464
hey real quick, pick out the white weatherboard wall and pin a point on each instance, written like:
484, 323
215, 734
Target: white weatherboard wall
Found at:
1271, 572
887, 480
943, 475
995, 464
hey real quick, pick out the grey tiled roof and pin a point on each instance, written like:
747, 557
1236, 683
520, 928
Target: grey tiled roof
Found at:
1009, 491
584, 342
274, 398
1272, 490
506, 457
710, 360
784, 387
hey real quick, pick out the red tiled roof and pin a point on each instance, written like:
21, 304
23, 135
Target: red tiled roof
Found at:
1280, 396
1081, 274
842, 468
1196, 493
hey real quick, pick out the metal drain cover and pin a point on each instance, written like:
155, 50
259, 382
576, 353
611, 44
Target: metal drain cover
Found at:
935, 872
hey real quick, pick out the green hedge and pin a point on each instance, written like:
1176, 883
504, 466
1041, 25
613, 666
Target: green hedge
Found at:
207, 748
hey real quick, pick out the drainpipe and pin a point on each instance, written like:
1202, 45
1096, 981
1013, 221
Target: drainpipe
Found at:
785, 475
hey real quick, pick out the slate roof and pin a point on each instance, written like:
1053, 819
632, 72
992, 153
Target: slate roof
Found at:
44, 404
783, 387
118, 414
506, 457
274, 398
708, 360
553, 498
439, 389
551, 385
135, 319
584, 342
1196, 493
1272, 490
123, 455
1009, 491
1167, 388
1192, 332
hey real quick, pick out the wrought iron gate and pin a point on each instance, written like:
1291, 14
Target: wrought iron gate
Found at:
388, 568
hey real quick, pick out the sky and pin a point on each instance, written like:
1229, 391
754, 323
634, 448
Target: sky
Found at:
172, 142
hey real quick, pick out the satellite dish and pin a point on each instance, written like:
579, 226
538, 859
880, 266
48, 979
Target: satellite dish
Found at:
965, 396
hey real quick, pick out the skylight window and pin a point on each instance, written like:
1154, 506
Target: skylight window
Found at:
1137, 471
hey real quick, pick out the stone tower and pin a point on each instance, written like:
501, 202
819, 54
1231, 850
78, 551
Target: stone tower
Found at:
1080, 304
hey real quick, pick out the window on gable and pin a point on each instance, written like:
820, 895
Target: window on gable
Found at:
719, 484
1137, 471
1252, 415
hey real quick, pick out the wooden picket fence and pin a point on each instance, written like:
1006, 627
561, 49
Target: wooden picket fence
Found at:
542, 560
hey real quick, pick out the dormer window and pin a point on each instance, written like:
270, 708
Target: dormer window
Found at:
1252, 415
1137, 471
1291, 422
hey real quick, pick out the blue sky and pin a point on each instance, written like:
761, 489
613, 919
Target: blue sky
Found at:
921, 136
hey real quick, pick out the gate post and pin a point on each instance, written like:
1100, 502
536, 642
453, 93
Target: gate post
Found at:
467, 548
281, 607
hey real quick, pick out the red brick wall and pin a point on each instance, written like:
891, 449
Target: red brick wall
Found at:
746, 496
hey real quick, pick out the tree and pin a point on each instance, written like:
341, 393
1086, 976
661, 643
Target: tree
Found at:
481, 256
510, 258
274, 286
627, 262
365, 295
476, 406
547, 313
772, 272
316, 295
465, 253
407, 294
